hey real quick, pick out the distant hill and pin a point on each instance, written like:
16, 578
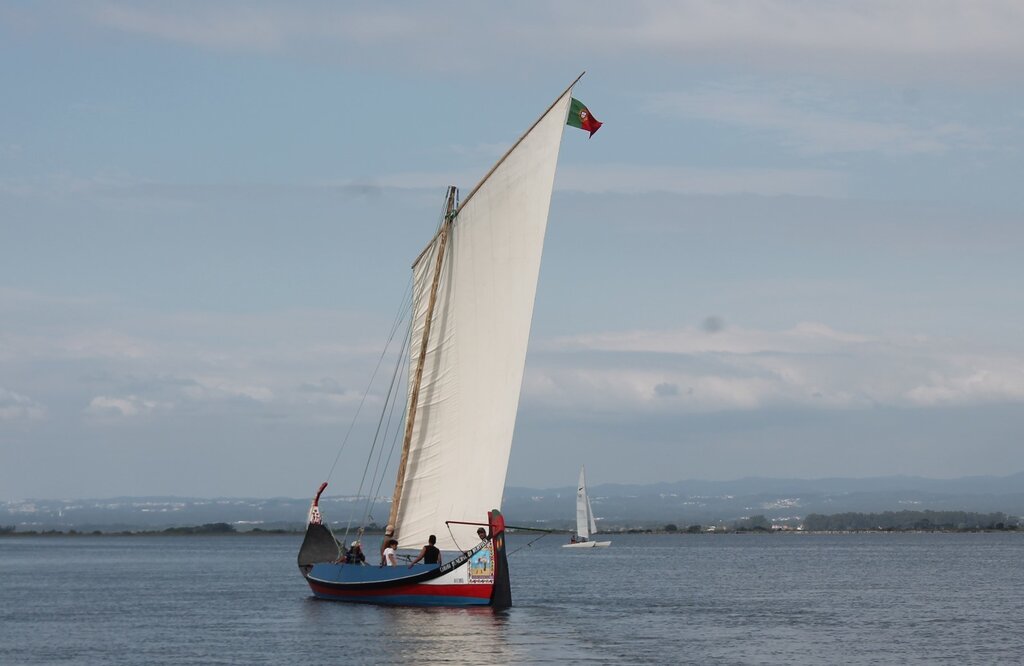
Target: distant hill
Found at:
616, 505
709, 502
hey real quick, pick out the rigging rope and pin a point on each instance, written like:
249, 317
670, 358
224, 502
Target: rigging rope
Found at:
529, 544
407, 297
452, 535
390, 399
377, 469
404, 310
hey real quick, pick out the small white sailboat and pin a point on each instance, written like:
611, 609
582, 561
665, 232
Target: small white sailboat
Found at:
586, 526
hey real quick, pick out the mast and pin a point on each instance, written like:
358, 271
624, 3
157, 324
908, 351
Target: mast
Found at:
410, 420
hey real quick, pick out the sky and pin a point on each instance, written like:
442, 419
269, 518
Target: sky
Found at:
795, 249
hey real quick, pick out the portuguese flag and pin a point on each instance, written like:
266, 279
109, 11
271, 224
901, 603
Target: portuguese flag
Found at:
579, 116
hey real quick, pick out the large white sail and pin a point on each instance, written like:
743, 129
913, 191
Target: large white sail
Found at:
473, 369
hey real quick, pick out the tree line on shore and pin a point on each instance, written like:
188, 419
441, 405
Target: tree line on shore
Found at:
909, 520
948, 521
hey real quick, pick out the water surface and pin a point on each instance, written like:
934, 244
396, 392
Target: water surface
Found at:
702, 599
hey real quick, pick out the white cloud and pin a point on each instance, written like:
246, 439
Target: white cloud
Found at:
637, 179
634, 179
107, 407
805, 337
809, 366
812, 124
129, 364
219, 388
874, 37
974, 380
17, 407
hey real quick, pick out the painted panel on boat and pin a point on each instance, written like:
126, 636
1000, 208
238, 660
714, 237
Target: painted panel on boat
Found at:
481, 566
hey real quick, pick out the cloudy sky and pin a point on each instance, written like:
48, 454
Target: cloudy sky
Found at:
795, 249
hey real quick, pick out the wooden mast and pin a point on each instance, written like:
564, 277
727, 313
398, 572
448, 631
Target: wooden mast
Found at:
418, 379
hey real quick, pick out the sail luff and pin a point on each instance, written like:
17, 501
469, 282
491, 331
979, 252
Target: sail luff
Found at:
501, 160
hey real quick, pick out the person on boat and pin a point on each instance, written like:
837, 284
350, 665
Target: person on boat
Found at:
355, 555
389, 534
482, 533
430, 554
389, 554
572, 539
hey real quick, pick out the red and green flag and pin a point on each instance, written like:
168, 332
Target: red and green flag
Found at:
580, 116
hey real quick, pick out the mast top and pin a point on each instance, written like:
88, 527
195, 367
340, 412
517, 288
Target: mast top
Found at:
508, 152
454, 213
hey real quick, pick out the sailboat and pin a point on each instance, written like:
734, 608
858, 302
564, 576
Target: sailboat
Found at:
586, 526
473, 294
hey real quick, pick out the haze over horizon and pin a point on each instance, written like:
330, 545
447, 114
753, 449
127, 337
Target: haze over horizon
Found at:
794, 250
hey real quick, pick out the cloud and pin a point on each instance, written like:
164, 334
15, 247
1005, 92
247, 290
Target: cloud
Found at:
106, 407
124, 364
17, 407
209, 389
875, 38
833, 31
805, 337
266, 27
811, 124
637, 179
122, 188
666, 390
972, 380
641, 179
809, 366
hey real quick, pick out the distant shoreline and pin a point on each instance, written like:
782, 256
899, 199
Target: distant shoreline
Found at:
198, 531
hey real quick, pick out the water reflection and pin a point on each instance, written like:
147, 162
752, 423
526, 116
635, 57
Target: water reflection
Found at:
465, 635
418, 635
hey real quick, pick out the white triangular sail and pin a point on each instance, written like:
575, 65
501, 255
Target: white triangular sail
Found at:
584, 515
473, 369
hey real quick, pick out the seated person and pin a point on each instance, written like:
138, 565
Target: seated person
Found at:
355, 555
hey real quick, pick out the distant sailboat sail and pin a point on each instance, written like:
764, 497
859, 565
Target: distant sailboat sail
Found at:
586, 526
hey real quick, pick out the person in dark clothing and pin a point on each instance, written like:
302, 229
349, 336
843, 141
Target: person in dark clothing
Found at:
430, 554
355, 555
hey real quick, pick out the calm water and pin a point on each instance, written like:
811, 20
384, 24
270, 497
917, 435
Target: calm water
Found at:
707, 599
